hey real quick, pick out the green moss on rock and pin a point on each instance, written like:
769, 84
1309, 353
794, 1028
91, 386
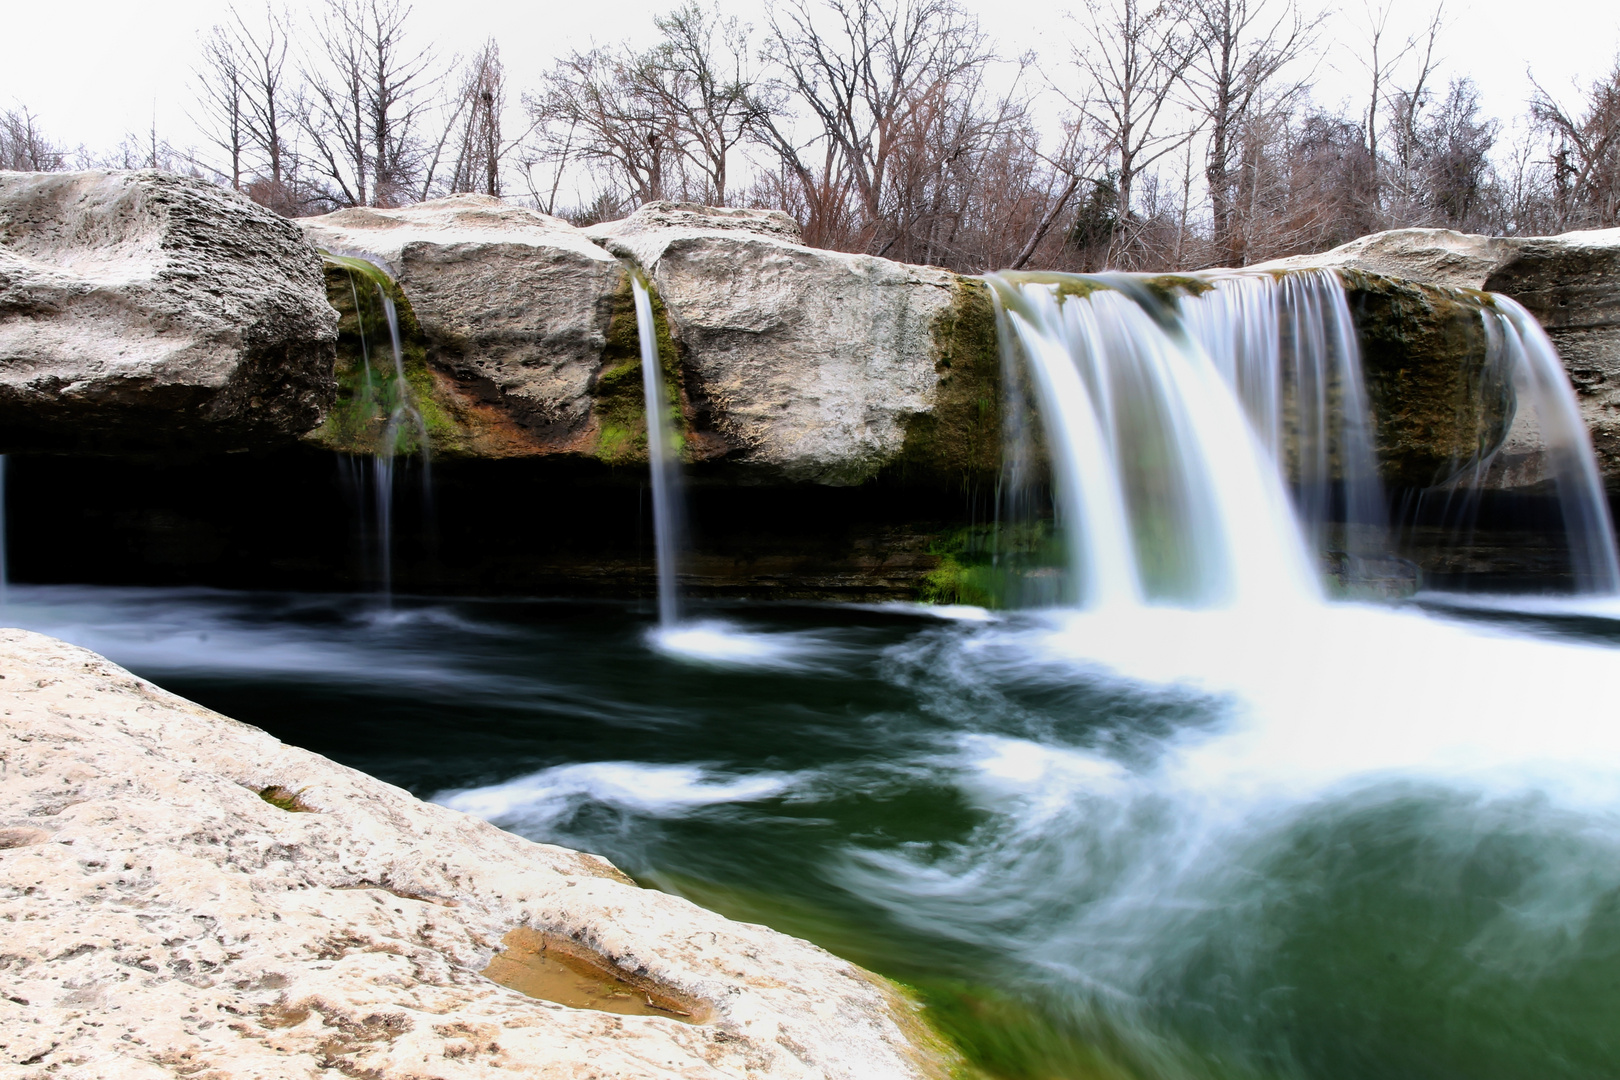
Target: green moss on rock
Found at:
1439, 399
958, 442
617, 393
368, 392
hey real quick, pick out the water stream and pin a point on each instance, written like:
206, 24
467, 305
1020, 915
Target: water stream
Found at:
663, 460
374, 481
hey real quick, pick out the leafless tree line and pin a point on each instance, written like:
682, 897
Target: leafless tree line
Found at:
1166, 134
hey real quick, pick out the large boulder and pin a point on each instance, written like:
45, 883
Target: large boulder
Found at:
813, 365
1571, 283
186, 896
514, 308
142, 309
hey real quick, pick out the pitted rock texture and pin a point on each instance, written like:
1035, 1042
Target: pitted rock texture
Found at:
158, 918
808, 364
142, 309
1571, 283
513, 303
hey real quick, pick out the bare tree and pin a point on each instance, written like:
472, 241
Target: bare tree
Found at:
248, 107
1585, 146
594, 106
699, 76
370, 104
867, 73
220, 95
1133, 57
480, 150
1241, 48
24, 147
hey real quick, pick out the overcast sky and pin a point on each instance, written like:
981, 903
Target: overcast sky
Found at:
94, 70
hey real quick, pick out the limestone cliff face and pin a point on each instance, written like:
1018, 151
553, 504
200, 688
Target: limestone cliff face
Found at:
145, 310
1571, 283
164, 919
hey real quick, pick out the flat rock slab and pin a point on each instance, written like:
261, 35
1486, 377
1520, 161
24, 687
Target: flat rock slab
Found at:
161, 919
147, 310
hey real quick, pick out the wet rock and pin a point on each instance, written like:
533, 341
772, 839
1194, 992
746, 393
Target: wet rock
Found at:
812, 365
185, 895
141, 310
1571, 283
514, 308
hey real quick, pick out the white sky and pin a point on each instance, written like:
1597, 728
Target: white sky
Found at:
94, 70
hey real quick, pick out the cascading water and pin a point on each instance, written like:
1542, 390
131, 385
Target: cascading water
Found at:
1177, 419
1546, 447
663, 462
1166, 492
1542, 388
403, 412
389, 397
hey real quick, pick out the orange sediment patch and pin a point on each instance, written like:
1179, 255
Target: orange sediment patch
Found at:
554, 969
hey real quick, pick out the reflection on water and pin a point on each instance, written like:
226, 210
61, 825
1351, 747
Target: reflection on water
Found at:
1354, 842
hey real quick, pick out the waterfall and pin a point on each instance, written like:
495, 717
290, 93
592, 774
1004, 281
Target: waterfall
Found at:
1208, 435
389, 396
403, 412
1165, 490
662, 458
1547, 404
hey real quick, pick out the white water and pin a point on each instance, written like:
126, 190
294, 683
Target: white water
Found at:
378, 488
1203, 448
1164, 490
1541, 386
663, 462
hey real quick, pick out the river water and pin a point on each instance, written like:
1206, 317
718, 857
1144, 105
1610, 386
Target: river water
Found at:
1356, 841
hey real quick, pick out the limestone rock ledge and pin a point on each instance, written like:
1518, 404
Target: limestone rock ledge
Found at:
808, 363
514, 307
161, 919
147, 310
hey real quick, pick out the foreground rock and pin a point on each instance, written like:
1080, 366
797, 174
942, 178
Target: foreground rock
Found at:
514, 308
142, 309
817, 365
1571, 283
163, 919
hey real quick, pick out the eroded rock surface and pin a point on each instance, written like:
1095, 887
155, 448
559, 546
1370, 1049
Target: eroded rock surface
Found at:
812, 365
1571, 283
514, 304
160, 918
142, 309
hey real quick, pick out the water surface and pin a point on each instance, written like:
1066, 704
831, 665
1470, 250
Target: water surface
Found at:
1345, 841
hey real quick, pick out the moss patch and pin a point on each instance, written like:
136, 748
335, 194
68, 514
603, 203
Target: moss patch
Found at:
995, 565
618, 396
286, 799
1438, 400
958, 442
368, 391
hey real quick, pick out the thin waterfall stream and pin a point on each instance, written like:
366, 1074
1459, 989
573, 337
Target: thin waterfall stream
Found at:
663, 462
